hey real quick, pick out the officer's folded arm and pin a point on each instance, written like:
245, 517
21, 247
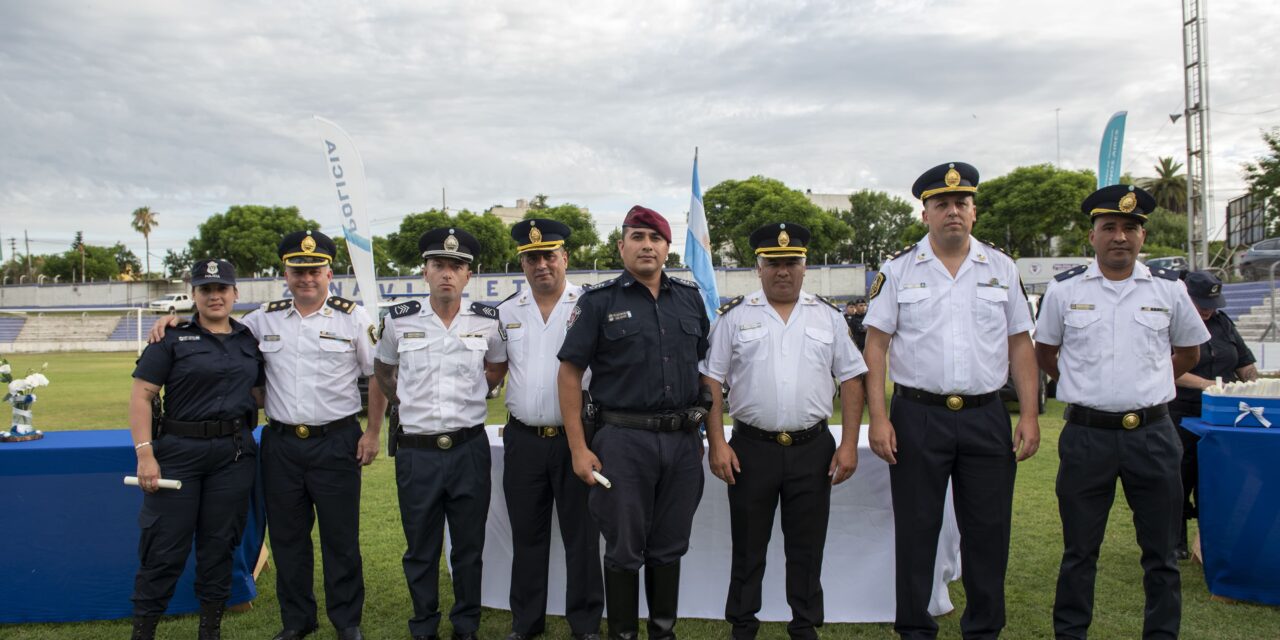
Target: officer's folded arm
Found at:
569, 384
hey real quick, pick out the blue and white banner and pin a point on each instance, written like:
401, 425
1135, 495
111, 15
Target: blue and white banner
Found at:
1112, 149
346, 171
697, 247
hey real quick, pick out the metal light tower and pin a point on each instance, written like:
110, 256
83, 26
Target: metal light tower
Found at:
1199, 176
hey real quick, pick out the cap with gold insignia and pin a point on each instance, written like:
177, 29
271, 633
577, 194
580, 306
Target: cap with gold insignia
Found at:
213, 272
449, 242
952, 177
780, 240
307, 249
1119, 200
539, 234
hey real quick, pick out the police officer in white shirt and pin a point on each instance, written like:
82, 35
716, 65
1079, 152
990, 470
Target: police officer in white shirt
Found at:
442, 352
538, 469
1106, 331
781, 351
316, 347
951, 315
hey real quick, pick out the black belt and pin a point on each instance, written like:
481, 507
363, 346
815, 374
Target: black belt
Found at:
304, 431
1086, 417
541, 432
204, 429
784, 438
443, 442
952, 401
661, 422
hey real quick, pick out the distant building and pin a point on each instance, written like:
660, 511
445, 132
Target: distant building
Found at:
838, 202
512, 215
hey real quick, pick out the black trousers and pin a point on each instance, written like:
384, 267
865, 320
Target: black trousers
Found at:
306, 480
436, 487
657, 482
538, 474
1146, 460
973, 448
796, 475
211, 508
1190, 464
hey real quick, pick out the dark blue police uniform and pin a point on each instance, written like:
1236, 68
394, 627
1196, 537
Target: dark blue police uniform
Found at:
206, 442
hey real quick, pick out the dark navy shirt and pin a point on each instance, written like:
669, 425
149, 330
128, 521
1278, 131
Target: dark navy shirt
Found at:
204, 377
1225, 352
643, 353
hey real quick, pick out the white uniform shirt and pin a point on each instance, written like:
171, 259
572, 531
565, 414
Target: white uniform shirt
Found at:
1116, 338
313, 361
441, 384
781, 375
531, 348
950, 335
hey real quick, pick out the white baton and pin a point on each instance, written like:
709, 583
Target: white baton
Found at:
601, 479
162, 483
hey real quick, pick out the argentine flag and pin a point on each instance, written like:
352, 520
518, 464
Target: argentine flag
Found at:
697, 248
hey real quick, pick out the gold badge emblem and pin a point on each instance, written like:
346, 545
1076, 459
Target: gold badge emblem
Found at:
784, 439
952, 178
955, 403
875, 286
444, 442
1128, 203
302, 431
550, 432
451, 244
1130, 421
784, 238
308, 244
535, 235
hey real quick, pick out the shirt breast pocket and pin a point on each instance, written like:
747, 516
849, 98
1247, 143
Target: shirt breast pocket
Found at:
1081, 335
913, 305
270, 347
622, 344
691, 335
989, 309
1154, 332
336, 347
475, 347
817, 346
412, 352
752, 344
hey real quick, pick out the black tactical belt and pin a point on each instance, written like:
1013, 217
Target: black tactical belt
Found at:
205, 429
443, 442
1086, 417
784, 438
952, 401
661, 422
541, 432
304, 431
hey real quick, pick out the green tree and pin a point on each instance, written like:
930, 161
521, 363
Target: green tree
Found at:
877, 221
1263, 176
1168, 187
144, 220
125, 258
176, 262
604, 256
583, 237
497, 249
99, 263
1166, 233
539, 202
381, 257
1022, 211
248, 236
735, 208
673, 261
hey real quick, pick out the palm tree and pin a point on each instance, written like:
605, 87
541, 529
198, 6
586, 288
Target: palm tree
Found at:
144, 220
1169, 187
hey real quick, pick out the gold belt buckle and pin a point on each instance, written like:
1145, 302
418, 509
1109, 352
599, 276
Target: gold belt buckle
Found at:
444, 442
955, 403
784, 439
549, 432
1130, 421
302, 431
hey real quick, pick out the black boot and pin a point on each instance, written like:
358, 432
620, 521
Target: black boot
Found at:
211, 620
622, 598
662, 590
1181, 549
144, 627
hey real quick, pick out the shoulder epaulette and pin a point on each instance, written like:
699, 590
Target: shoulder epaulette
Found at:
998, 249
724, 308
405, 308
1167, 274
903, 251
482, 309
341, 304
1071, 273
830, 303
687, 283
280, 305
588, 288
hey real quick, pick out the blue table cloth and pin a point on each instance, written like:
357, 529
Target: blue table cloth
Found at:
1240, 510
69, 531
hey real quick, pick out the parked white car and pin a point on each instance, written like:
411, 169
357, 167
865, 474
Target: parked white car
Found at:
172, 303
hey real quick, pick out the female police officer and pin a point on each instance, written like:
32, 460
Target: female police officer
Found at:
212, 373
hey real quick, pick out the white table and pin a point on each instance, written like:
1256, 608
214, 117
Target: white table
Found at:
858, 569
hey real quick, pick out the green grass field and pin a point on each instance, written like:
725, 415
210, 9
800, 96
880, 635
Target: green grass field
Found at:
90, 391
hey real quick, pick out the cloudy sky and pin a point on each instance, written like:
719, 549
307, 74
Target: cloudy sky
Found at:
190, 107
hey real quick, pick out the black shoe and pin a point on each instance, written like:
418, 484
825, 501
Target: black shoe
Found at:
144, 627
622, 599
425, 637
1181, 549
662, 590
514, 635
211, 620
465, 636
350, 633
586, 636
296, 634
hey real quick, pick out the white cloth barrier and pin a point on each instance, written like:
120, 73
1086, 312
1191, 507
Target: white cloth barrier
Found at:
858, 572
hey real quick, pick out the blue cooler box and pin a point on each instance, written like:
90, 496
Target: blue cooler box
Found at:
1222, 410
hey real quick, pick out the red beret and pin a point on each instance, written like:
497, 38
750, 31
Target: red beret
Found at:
639, 216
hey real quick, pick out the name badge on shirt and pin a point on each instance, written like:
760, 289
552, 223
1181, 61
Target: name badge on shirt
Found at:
325, 335
1156, 309
1081, 307
618, 315
748, 326
993, 283
271, 338
513, 325
917, 285
471, 335
187, 338
415, 334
